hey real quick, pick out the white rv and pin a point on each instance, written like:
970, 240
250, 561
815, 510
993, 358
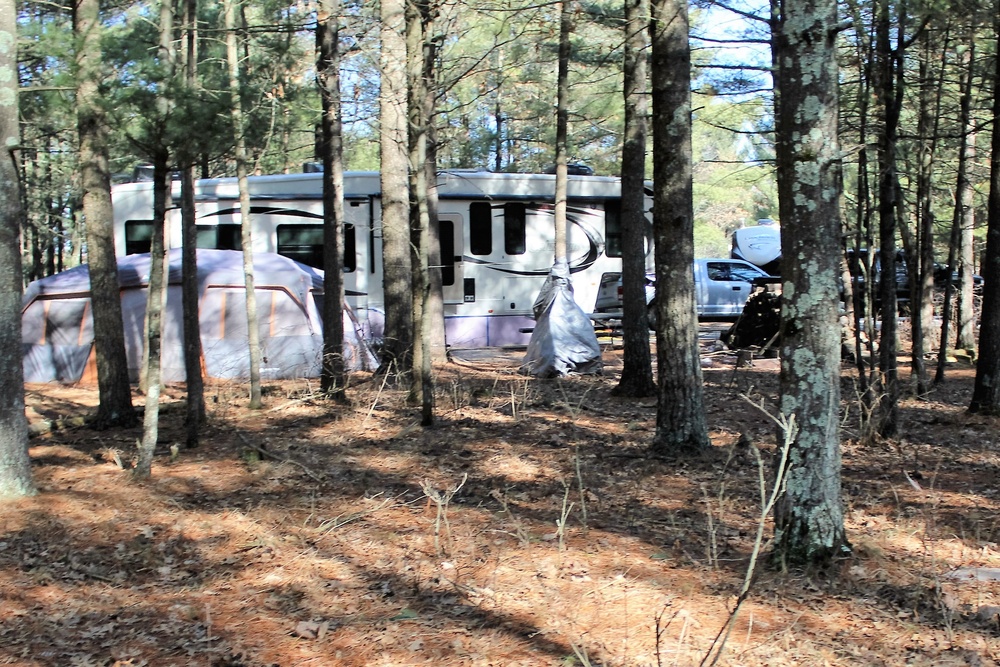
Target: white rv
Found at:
497, 239
760, 245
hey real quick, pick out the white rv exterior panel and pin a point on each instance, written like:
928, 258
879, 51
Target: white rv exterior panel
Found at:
502, 234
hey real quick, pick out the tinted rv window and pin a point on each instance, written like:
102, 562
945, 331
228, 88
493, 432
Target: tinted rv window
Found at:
513, 229
446, 236
304, 244
613, 227
138, 236
220, 237
480, 228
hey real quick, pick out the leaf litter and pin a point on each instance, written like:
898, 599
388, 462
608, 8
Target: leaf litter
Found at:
305, 534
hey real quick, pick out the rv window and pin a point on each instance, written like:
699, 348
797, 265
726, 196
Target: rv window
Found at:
350, 249
480, 228
220, 237
446, 235
613, 227
514, 229
304, 243
138, 236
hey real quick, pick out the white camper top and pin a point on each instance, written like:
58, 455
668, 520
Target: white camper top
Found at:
759, 244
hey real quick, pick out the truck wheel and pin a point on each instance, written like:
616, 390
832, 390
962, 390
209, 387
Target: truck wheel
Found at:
651, 314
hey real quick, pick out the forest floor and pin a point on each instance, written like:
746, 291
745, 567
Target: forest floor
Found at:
529, 527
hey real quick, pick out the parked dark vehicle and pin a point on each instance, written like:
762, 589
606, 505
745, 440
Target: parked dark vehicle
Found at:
854, 263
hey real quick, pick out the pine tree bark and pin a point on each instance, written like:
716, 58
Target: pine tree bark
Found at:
962, 216
195, 408
562, 128
637, 369
680, 414
158, 268
15, 465
889, 90
334, 375
809, 520
920, 256
986, 392
240, 155
115, 392
964, 194
397, 348
154, 311
419, 22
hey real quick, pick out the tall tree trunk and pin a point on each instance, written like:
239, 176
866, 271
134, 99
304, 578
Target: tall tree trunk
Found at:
889, 76
236, 110
680, 414
435, 300
986, 393
920, 258
195, 408
334, 375
154, 311
861, 242
962, 215
966, 311
15, 465
966, 306
158, 269
809, 519
418, 24
637, 370
115, 393
396, 274
562, 128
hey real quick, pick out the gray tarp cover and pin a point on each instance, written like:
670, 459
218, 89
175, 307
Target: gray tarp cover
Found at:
563, 340
57, 329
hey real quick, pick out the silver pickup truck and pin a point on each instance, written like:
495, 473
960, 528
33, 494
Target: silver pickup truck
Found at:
722, 287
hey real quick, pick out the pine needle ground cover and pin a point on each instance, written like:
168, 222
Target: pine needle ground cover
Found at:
529, 527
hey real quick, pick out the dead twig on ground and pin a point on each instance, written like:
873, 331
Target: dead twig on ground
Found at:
274, 457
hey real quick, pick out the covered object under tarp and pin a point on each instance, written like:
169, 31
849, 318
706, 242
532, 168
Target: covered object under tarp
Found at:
58, 334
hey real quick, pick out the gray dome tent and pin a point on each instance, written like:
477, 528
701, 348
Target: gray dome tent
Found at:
57, 328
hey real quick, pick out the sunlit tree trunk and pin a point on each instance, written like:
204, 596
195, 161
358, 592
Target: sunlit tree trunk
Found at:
419, 24
240, 154
154, 319
920, 255
15, 465
562, 126
158, 269
195, 409
396, 273
809, 518
680, 414
334, 375
115, 408
962, 216
964, 194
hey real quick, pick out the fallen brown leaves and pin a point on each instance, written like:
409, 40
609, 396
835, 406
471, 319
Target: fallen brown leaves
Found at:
303, 534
